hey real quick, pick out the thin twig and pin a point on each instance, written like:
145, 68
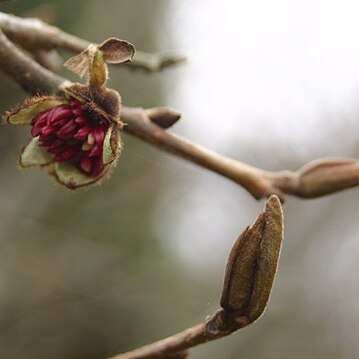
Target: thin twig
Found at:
250, 272
31, 76
315, 179
251, 178
34, 34
154, 62
179, 342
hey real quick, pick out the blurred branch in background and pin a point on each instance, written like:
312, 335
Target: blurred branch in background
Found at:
318, 178
34, 35
249, 277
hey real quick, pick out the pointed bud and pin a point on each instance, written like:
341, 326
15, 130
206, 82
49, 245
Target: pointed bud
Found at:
268, 257
329, 175
252, 265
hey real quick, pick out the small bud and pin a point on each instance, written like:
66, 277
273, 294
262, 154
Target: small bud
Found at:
252, 265
163, 117
241, 267
268, 257
325, 176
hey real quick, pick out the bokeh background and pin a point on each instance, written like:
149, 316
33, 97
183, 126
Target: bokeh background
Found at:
91, 273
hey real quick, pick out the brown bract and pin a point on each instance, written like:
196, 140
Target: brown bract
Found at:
101, 102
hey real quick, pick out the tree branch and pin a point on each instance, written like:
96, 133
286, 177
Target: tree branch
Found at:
34, 34
250, 272
140, 125
318, 178
31, 76
190, 337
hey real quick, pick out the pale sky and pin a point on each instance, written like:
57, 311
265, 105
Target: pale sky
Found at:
275, 82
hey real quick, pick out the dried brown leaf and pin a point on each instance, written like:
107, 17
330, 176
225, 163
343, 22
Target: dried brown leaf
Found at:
116, 51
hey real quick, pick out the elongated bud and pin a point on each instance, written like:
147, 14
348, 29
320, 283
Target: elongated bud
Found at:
252, 265
328, 175
240, 271
267, 259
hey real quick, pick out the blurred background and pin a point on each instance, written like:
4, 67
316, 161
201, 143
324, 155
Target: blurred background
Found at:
91, 273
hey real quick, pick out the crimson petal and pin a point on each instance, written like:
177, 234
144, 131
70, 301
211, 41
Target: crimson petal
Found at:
97, 166
83, 132
66, 154
68, 130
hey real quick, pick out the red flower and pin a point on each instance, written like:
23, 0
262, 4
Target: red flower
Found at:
76, 135
78, 142
69, 132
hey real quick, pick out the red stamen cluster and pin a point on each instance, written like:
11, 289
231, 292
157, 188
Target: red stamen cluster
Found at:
71, 135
